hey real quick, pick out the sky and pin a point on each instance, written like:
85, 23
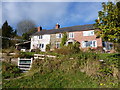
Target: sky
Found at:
47, 14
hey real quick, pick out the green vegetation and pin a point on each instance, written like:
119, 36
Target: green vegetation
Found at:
70, 49
64, 39
7, 32
10, 70
80, 70
109, 22
48, 47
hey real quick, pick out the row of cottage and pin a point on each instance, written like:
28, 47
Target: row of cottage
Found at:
84, 34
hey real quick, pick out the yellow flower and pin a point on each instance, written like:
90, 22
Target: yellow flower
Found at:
101, 84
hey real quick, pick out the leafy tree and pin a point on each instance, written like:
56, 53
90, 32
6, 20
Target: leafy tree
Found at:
109, 22
26, 36
24, 26
7, 33
64, 39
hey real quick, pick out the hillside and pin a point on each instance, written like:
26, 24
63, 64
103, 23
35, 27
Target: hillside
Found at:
69, 71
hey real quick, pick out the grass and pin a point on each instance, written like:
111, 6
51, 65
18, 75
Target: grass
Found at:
56, 79
10, 70
83, 70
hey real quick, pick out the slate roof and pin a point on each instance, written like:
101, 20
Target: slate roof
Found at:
66, 29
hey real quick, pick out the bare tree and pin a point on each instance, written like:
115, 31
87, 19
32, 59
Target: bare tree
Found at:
24, 26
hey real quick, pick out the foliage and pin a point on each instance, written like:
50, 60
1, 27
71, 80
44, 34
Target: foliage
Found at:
36, 50
7, 31
10, 70
117, 47
48, 47
26, 55
109, 22
70, 49
79, 70
10, 50
53, 73
64, 39
26, 35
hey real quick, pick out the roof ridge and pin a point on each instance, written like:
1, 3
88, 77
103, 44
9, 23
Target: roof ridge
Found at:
66, 29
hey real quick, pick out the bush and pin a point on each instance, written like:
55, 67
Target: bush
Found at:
36, 50
48, 47
70, 49
26, 55
10, 70
117, 47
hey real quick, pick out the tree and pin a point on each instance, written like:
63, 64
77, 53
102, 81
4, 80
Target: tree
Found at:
24, 26
64, 39
26, 36
7, 34
109, 22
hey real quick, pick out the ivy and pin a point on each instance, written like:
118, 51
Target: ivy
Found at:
64, 39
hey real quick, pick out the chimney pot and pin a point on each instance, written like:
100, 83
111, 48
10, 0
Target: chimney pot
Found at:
39, 29
57, 26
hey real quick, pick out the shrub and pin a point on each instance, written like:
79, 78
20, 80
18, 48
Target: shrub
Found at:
36, 50
25, 55
64, 50
48, 47
117, 47
70, 49
10, 70
64, 39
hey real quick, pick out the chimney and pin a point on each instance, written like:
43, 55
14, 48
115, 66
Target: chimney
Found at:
57, 26
39, 29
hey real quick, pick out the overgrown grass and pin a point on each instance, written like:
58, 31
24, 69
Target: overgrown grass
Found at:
53, 74
10, 70
81, 70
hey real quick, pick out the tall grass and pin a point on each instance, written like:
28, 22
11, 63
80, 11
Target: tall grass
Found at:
79, 70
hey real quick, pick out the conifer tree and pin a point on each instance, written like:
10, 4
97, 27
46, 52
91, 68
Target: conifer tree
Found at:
7, 33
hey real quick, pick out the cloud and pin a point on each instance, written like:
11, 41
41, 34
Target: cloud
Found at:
47, 14
39, 12
57, 0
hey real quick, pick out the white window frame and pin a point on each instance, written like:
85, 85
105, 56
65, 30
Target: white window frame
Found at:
91, 45
88, 33
59, 35
57, 44
41, 45
71, 35
40, 37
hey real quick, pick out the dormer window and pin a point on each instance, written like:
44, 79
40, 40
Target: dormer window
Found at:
59, 35
88, 33
41, 37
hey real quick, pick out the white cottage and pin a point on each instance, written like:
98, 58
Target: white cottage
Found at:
39, 40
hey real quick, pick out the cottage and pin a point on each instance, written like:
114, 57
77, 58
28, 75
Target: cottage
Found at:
84, 34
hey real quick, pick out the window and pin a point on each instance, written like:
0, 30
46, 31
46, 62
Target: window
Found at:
41, 45
88, 33
57, 44
40, 37
59, 35
89, 44
71, 35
